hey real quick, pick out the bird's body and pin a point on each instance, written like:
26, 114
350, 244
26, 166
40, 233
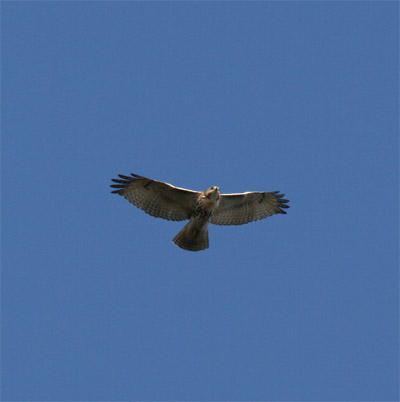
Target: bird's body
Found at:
165, 201
194, 236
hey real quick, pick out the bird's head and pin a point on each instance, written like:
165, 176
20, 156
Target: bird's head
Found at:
212, 193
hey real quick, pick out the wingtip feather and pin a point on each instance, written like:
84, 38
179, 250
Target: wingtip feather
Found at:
282, 202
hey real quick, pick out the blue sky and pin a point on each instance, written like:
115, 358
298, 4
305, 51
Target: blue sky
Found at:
98, 303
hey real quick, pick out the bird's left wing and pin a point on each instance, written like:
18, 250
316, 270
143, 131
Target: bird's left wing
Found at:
156, 198
237, 209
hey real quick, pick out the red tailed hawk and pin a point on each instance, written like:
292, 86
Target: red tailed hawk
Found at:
166, 201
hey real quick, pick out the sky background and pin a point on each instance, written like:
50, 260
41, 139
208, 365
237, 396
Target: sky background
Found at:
98, 303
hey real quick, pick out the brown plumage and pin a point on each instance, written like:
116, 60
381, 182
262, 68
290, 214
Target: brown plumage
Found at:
166, 201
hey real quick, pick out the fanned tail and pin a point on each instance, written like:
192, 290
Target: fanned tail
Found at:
193, 237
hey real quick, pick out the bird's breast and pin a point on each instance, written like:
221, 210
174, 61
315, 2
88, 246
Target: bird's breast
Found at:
204, 208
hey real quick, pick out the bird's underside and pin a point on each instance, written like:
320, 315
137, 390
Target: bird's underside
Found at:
163, 200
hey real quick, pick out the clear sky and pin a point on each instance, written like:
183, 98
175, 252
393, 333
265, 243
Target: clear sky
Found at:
98, 303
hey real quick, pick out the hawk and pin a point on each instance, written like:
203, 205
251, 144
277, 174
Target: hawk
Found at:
166, 201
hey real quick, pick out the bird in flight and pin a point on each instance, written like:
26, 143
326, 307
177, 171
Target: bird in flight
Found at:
163, 200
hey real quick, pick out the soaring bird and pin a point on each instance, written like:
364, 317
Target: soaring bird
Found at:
166, 201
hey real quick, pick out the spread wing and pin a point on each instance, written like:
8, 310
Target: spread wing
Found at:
156, 198
237, 209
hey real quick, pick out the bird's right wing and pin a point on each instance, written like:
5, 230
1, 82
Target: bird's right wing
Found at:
156, 198
237, 209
